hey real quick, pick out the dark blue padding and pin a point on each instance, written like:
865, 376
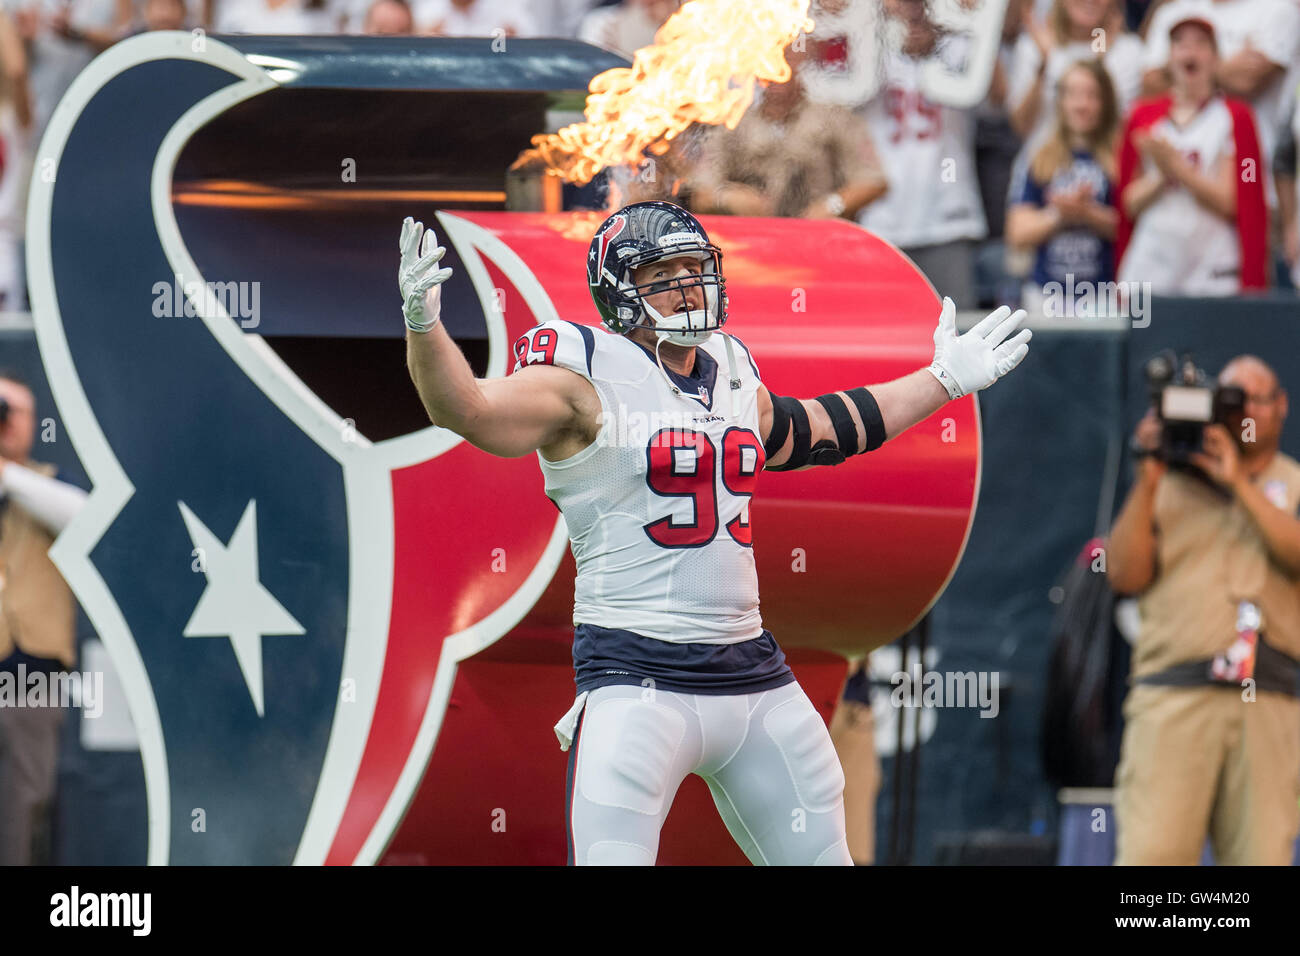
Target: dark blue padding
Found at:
604, 657
588, 341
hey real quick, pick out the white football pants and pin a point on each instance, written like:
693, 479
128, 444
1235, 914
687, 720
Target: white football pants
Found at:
767, 758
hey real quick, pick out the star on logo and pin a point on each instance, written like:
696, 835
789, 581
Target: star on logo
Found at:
235, 604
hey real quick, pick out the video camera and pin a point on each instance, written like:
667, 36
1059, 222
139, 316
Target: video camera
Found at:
1186, 400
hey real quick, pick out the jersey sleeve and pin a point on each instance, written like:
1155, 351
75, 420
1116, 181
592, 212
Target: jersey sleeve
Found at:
1029, 191
557, 342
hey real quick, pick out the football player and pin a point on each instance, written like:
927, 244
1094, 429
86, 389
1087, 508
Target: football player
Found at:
651, 433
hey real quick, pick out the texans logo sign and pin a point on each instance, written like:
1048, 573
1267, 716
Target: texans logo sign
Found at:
282, 598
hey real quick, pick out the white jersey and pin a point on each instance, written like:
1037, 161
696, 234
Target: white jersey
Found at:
1178, 245
1270, 26
928, 155
657, 507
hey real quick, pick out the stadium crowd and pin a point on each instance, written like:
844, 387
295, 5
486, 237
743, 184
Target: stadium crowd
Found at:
1119, 141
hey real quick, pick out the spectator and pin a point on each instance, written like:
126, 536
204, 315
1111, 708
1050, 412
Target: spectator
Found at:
62, 37
15, 163
1258, 42
1075, 30
853, 731
1214, 554
560, 18
285, 17
626, 27
996, 149
788, 156
473, 18
1189, 223
163, 15
932, 211
996, 141
1135, 14
1064, 208
37, 624
389, 18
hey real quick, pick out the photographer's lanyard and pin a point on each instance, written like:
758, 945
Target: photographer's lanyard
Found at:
1237, 663
1247, 566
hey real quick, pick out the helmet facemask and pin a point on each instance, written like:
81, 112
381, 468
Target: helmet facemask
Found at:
682, 327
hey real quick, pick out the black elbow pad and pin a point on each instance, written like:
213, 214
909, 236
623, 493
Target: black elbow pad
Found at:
787, 415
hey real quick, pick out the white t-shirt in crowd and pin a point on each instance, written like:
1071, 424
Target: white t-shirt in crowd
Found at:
291, 18
559, 18
1178, 245
1270, 26
928, 155
479, 20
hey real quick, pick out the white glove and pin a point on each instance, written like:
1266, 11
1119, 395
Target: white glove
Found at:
418, 273
970, 362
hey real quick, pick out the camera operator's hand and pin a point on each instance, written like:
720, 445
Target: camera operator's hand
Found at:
1221, 459
1147, 438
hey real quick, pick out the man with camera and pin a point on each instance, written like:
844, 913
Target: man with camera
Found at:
1210, 540
37, 625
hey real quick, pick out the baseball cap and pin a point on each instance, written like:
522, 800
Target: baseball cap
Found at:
1194, 14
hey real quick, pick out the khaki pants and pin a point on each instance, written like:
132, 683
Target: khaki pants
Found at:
1200, 760
853, 731
29, 752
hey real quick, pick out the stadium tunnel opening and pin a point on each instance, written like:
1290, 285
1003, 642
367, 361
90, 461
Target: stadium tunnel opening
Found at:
303, 191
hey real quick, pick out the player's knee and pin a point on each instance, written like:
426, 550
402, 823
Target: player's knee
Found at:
799, 732
636, 743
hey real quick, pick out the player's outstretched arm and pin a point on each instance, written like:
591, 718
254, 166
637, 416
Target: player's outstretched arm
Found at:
801, 433
538, 407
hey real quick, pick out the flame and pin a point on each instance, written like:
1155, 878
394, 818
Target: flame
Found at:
701, 68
